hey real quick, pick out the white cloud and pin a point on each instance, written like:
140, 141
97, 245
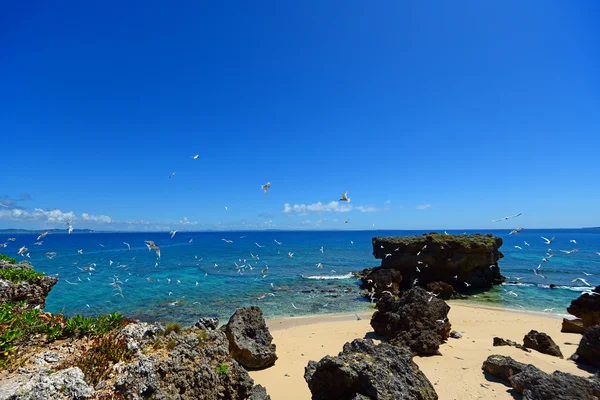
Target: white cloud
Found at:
388, 202
55, 216
423, 206
305, 209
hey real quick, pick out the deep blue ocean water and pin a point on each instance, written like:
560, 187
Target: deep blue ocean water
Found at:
291, 286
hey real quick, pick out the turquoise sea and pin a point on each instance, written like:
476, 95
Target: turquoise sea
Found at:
197, 274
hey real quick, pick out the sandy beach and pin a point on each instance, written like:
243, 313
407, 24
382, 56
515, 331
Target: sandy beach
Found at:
455, 375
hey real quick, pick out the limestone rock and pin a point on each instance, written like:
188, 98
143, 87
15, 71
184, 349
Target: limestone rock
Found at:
364, 370
504, 342
207, 324
250, 342
588, 351
572, 326
444, 290
416, 319
541, 342
502, 367
48, 385
587, 307
34, 294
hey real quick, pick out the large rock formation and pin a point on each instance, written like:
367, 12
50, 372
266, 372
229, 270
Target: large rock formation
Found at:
461, 261
250, 342
588, 351
587, 307
541, 342
534, 384
366, 371
378, 280
417, 319
572, 326
34, 293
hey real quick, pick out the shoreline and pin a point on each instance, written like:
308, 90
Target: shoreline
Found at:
456, 374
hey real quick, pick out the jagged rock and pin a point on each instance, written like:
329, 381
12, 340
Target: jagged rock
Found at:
441, 258
541, 342
588, 351
250, 342
140, 334
197, 367
502, 367
207, 324
587, 307
49, 385
378, 280
364, 370
442, 289
572, 326
503, 342
34, 294
259, 393
534, 384
417, 319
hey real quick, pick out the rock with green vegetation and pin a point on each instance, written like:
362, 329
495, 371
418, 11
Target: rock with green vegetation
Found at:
20, 282
463, 261
364, 370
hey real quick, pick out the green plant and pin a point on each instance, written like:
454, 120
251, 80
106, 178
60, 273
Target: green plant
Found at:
171, 344
222, 369
97, 360
20, 275
172, 327
203, 335
4, 257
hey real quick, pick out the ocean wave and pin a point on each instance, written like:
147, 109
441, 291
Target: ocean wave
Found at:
326, 277
516, 284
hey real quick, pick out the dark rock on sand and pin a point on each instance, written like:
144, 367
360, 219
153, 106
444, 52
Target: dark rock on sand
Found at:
208, 324
444, 290
417, 319
250, 342
364, 370
442, 258
34, 294
588, 351
572, 326
534, 384
504, 342
502, 367
587, 307
541, 342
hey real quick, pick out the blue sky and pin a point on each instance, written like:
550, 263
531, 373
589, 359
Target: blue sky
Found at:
430, 114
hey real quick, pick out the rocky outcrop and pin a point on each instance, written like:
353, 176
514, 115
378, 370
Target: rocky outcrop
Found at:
588, 351
208, 324
504, 342
572, 326
250, 342
541, 342
34, 294
587, 307
534, 384
47, 384
461, 261
417, 319
364, 370
443, 290
378, 280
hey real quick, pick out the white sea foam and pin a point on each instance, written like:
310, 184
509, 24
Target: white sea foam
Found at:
326, 277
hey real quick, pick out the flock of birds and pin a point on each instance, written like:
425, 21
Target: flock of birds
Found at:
246, 265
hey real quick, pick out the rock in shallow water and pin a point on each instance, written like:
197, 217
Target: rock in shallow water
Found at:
364, 370
250, 342
417, 319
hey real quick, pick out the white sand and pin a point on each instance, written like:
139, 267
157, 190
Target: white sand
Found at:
455, 375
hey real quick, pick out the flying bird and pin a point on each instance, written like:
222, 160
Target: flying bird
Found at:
345, 197
80, 251
227, 241
266, 187
195, 157
172, 174
43, 235
22, 251
319, 265
128, 245
258, 245
516, 231
518, 247
535, 271
226, 209
279, 243
573, 241
582, 280
548, 241
506, 218
152, 246
290, 254
70, 229
526, 244
172, 233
